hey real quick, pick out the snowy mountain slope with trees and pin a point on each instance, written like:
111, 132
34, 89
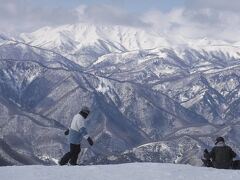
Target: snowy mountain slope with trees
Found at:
134, 171
151, 101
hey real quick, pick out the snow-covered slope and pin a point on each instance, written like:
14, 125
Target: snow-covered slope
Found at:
135, 171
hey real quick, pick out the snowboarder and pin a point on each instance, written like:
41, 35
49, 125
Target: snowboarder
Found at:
221, 155
75, 133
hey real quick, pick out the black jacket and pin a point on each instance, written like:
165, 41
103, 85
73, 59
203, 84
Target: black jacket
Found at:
222, 156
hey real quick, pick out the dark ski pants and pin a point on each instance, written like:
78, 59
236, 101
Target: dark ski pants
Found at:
71, 156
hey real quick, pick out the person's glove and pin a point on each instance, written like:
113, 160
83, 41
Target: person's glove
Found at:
90, 141
66, 132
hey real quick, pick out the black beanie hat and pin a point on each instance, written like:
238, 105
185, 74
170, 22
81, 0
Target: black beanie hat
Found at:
85, 110
219, 139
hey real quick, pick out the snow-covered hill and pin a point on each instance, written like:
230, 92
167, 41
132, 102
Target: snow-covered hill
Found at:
135, 171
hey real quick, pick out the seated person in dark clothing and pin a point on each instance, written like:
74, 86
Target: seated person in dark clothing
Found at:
221, 155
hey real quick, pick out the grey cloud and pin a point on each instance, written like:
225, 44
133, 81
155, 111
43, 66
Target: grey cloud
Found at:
189, 23
223, 5
23, 15
219, 19
203, 16
211, 12
106, 14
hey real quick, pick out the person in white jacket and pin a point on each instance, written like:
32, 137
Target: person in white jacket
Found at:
76, 133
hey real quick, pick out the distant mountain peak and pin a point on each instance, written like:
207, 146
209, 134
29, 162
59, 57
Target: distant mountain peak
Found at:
82, 35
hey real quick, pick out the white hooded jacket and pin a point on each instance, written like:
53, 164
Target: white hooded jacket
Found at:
77, 130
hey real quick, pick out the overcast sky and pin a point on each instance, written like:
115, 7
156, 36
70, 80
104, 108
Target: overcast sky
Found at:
219, 19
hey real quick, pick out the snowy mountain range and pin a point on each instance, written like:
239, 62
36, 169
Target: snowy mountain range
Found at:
152, 99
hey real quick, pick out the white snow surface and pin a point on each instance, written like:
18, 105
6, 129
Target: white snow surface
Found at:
133, 171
